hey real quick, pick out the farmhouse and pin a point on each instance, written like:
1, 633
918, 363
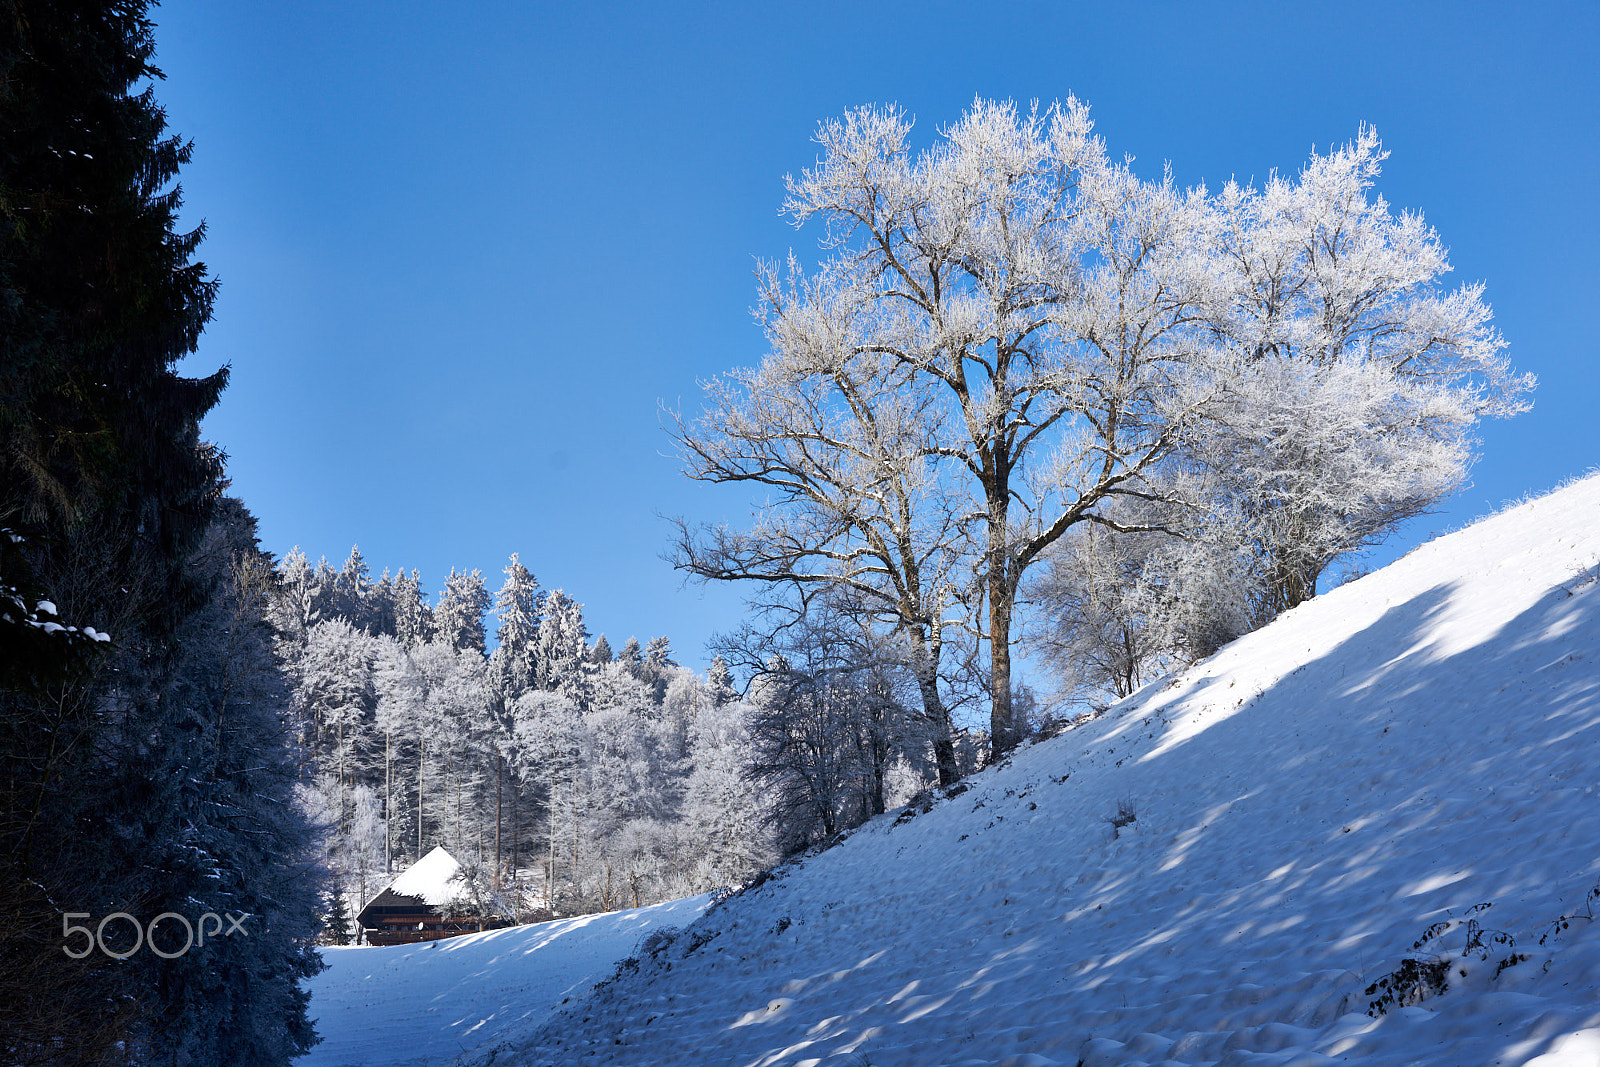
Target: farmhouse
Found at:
428, 901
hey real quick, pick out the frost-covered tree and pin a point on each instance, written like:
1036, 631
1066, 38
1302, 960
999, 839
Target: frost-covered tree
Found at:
512, 672
1361, 375
723, 808
380, 606
225, 762
1007, 337
458, 618
563, 647
1117, 609
1097, 632
658, 667
413, 619
631, 658
550, 739
461, 730
1359, 381
352, 831
351, 588
1015, 335
294, 608
401, 706
684, 698
719, 680
334, 685
658, 655
827, 723
517, 607
421, 699
325, 580
617, 686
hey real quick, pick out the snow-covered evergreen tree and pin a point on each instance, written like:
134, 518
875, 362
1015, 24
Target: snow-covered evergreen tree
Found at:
563, 647
334, 684
413, 619
458, 618
351, 588
380, 606
294, 607
719, 679
632, 657
517, 607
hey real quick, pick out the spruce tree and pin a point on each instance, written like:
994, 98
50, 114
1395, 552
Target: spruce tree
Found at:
563, 644
719, 680
658, 663
137, 778
458, 620
351, 589
380, 610
632, 658
413, 619
517, 605
336, 924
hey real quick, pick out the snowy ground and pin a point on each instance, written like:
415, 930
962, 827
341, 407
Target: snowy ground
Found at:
428, 1004
1309, 803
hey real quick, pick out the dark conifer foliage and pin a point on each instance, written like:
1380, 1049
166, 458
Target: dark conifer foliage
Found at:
149, 772
98, 291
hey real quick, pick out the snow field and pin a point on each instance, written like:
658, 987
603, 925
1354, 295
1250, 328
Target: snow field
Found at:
431, 1003
1309, 803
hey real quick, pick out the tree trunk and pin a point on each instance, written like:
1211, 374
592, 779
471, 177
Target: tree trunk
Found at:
1003, 732
388, 802
925, 666
876, 796
343, 804
499, 765
1001, 587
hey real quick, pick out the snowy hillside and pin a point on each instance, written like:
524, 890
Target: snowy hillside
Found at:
1413, 753
429, 1003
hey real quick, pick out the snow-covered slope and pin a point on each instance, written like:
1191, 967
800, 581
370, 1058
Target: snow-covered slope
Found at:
428, 1004
1309, 804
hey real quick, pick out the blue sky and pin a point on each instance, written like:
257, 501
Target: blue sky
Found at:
468, 250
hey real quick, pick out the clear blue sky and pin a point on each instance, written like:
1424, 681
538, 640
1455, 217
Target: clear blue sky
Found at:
466, 250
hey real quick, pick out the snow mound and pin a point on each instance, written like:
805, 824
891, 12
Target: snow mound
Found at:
434, 1002
1403, 769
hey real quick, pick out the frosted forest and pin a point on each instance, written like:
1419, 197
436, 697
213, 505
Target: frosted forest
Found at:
1021, 400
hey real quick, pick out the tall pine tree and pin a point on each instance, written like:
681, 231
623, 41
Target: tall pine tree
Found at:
126, 784
517, 605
